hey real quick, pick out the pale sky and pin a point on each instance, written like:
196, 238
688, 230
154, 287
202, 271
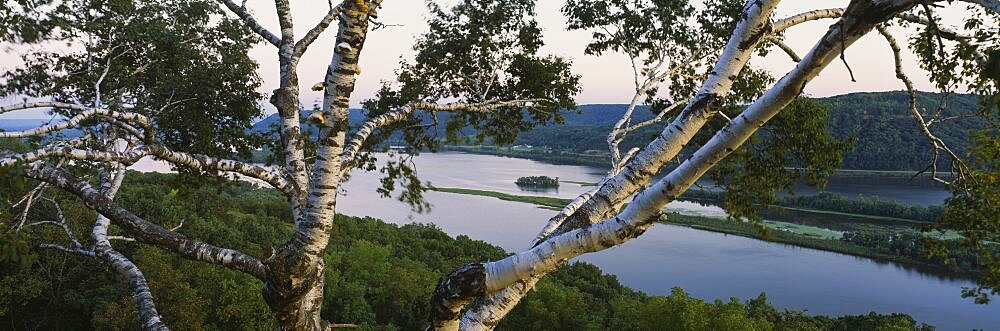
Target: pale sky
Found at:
605, 79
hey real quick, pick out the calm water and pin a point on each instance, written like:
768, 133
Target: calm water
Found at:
707, 265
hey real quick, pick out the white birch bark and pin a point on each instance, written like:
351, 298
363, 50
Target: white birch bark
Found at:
645, 207
142, 230
142, 296
193, 161
749, 31
294, 287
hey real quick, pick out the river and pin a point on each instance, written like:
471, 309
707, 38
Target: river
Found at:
708, 265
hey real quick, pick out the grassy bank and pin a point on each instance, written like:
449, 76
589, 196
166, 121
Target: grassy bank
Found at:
748, 230
780, 232
545, 202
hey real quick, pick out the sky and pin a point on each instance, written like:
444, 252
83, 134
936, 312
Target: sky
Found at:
605, 79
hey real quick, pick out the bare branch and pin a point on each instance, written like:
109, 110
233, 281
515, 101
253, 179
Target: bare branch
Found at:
784, 47
75, 120
785, 23
316, 31
143, 230
936, 143
193, 161
252, 23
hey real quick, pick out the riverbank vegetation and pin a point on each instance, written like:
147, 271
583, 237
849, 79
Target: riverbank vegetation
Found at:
896, 244
831, 202
380, 277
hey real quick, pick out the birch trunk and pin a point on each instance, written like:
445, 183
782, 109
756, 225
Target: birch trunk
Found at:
286, 100
749, 32
511, 277
294, 285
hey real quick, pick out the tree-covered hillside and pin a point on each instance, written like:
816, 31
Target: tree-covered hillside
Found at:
887, 137
380, 276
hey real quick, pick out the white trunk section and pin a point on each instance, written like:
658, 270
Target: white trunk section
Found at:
647, 161
644, 209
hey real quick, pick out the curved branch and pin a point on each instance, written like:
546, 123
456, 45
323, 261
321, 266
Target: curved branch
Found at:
784, 47
193, 161
42, 104
310, 37
946, 33
76, 120
812, 15
936, 143
141, 294
142, 230
252, 23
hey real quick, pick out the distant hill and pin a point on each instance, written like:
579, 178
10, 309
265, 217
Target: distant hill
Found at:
887, 136
20, 124
25, 124
354, 116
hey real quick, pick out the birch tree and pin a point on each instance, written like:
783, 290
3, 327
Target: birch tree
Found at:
479, 294
479, 63
132, 103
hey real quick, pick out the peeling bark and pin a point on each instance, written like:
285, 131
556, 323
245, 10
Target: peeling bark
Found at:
142, 296
294, 285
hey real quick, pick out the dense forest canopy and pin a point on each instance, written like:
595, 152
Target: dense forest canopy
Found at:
172, 80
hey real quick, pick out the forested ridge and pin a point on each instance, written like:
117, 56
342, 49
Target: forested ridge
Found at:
886, 136
381, 277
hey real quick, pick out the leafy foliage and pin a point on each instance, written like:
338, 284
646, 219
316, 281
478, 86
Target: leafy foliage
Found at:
180, 62
754, 173
379, 276
474, 52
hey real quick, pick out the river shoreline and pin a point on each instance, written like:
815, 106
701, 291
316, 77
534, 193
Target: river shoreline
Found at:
845, 176
745, 229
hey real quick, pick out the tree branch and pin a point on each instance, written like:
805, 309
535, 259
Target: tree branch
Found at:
193, 161
86, 114
813, 15
316, 31
784, 47
936, 143
646, 205
252, 23
143, 230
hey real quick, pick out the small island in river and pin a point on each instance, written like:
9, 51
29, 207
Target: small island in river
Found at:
538, 182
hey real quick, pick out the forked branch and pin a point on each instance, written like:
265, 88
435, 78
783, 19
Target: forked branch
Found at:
251, 22
142, 230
